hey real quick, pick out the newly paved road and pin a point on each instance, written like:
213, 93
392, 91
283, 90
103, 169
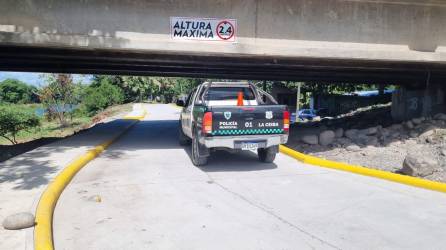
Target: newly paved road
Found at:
152, 197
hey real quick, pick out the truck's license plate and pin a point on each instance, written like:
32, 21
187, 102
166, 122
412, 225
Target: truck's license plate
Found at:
249, 146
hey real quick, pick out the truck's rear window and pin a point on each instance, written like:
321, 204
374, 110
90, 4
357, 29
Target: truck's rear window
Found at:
228, 93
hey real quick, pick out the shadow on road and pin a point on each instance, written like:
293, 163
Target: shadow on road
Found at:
163, 134
26, 172
221, 161
33, 169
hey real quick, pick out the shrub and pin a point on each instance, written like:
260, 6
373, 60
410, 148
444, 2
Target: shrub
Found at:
15, 91
13, 120
100, 97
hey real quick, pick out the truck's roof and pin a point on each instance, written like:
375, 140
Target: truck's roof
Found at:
228, 84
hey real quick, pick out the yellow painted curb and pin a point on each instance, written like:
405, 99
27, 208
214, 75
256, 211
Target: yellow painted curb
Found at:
404, 179
130, 117
43, 232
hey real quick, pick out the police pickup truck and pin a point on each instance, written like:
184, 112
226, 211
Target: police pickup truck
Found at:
235, 116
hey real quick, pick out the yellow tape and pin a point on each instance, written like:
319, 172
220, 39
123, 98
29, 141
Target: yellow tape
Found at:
404, 179
43, 232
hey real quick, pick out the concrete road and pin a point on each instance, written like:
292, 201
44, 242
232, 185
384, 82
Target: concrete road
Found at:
152, 197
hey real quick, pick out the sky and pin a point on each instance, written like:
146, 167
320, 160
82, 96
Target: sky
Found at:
35, 79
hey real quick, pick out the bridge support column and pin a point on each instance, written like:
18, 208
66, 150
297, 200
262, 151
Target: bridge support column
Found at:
409, 102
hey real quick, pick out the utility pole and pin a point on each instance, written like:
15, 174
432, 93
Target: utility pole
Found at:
297, 100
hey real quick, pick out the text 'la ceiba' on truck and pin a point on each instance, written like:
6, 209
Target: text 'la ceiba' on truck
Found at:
232, 116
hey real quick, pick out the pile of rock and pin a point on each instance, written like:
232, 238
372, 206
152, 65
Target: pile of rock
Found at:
422, 141
423, 128
339, 137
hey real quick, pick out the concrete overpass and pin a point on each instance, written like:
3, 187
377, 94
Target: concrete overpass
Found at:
364, 41
334, 40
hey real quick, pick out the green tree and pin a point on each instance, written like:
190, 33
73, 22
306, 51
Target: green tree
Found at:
13, 120
118, 81
100, 97
139, 86
58, 94
15, 91
185, 85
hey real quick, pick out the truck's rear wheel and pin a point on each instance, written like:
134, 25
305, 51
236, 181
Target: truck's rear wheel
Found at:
182, 138
197, 158
267, 155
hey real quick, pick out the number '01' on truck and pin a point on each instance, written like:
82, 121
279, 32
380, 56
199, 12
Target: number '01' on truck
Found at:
234, 116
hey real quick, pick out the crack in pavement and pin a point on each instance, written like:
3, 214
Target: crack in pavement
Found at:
274, 215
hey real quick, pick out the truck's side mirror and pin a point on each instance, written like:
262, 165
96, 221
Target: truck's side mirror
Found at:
180, 103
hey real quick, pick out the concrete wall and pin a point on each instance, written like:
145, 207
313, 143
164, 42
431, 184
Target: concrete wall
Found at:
403, 30
334, 105
410, 103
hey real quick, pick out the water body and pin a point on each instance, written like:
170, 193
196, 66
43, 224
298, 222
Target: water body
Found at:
40, 112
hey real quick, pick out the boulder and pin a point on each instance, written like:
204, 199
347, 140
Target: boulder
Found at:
343, 141
366, 140
409, 125
417, 121
395, 134
361, 139
353, 148
413, 134
326, 137
372, 141
426, 134
430, 139
19, 221
440, 116
371, 131
339, 133
310, 139
385, 132
351, 133
396, 127
418, 166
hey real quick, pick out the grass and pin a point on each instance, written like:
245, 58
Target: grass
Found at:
53, 129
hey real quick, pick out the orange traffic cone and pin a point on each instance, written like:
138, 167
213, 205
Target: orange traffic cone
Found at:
240, 99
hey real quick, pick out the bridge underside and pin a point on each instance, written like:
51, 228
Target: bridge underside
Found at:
133, 62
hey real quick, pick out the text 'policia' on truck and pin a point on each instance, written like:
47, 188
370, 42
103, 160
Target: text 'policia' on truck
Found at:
232, 116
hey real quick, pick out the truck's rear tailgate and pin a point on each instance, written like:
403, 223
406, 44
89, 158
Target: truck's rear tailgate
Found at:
247, 120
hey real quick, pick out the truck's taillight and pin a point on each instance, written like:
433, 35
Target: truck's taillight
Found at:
207, 123
286, 121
